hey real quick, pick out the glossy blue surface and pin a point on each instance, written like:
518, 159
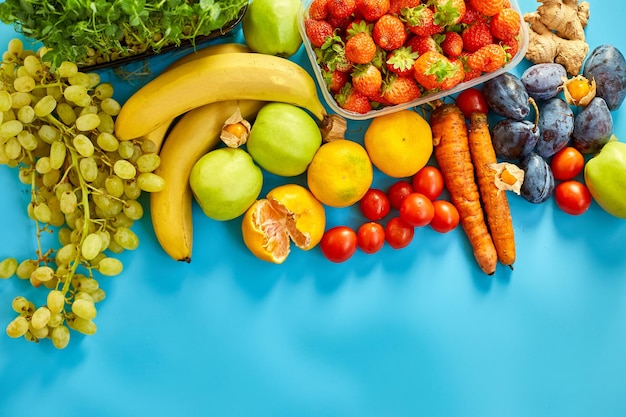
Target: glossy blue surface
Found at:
415, 332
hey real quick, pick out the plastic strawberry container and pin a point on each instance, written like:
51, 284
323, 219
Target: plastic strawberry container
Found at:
425, 98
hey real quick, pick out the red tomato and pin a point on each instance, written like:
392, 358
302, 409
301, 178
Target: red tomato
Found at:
472, 100
567, 163
339, 243
446, 216
375, 204
371, 237
398, 191
572, 197
398, 233
429, 182
417, 210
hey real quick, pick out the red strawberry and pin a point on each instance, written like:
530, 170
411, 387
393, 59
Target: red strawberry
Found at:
431, 69
335, 80
317, 31
389, 32
449, 12
372, 10
452, 44
506, 24
472, 15
399, 90
318, 9
488, 58
476, 36
487, 7
421, 20
341, 8
367, 79
400, 61
351, 100
455, 77
423, 44
360, 48
469, 73
396, 6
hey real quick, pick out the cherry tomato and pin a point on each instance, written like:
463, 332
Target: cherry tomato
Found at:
429, 182
417, 210
371, 237
567, 163
572, 197
446, 216
398, 233
398, 191
375, 204
339, 243
472, 100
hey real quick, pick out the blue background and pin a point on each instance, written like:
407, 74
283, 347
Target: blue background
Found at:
415, 332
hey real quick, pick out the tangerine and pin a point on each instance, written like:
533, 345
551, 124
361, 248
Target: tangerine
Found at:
289, 213
340, 173
399, 144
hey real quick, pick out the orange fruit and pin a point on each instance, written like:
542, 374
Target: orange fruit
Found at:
289, 213
340, 173
399, 144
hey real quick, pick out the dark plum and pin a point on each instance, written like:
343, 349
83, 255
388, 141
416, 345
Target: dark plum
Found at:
593, 127
514, 139
507, 96
538, 185
544, 81
607, 66
556, 125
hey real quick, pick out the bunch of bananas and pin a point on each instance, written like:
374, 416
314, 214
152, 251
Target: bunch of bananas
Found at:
202, 90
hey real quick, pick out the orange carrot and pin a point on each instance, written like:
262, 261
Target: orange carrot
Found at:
495, 202
451, 141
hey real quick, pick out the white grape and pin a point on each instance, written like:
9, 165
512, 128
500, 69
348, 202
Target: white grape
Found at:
11, 128
45, 106
67, 69
83, 145
8, 267
17, 327
24, 84
84, 309
83, 326
110, 266
40, 318
55, 301
150, 182
88, 168
58, 151
124, 169
27, 140
91, 246
107, 142
43, 273
87, 122
60, 337
148, 162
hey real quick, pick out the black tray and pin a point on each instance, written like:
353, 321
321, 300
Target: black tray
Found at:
185, 44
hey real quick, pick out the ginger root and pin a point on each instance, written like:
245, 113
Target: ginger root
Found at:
557, 33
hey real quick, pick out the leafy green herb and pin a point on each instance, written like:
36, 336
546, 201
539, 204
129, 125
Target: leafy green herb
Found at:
89, 32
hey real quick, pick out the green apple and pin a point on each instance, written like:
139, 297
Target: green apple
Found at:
225, 182
283, 139
605, 176
271, 27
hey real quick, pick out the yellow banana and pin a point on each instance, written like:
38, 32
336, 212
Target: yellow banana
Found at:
157, 135
231, 76
196, 133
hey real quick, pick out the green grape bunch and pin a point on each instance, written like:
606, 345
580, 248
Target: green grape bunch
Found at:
57, 130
